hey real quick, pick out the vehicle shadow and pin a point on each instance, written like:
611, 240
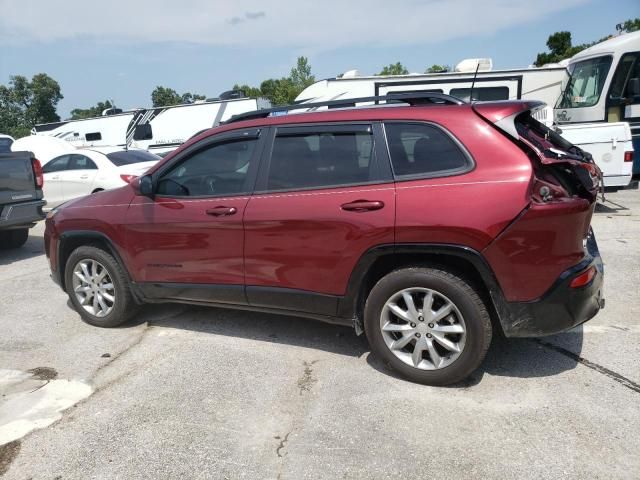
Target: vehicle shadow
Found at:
523, 358
34, 247
518, 357
281, 329
610, 206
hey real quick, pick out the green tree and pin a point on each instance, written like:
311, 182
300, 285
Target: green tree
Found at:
438, 69
192, 97
631, 25
560, 46
394, 69
280, 91
165, 97
25, 103
283, 91
248, 91
301, 76
80, 113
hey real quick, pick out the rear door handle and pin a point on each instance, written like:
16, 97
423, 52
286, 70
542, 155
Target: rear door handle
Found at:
221, 211
55, 178
84, 177
363, 205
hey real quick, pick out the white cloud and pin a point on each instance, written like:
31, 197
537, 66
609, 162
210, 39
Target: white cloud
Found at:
316, 25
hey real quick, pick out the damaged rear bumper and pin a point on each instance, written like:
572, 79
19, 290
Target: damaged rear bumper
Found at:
562, 307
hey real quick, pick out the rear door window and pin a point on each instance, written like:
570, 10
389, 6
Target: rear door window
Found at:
318, 157
80, 162
5, 144
423, 150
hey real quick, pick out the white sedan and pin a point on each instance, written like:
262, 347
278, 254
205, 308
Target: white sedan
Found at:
84, 171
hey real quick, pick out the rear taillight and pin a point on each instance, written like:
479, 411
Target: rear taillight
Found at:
128, 178
37, 172
584, 278
628, 156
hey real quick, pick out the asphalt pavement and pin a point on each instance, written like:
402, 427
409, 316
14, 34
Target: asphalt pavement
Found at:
192, 392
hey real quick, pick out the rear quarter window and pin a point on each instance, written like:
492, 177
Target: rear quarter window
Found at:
423, 150
5, 145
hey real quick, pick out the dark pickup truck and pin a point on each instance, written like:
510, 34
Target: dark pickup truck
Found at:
21, 202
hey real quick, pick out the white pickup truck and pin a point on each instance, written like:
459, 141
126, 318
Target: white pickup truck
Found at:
611, 146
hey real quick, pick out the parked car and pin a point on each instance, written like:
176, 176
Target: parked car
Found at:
20, 197
428, 225
85, 171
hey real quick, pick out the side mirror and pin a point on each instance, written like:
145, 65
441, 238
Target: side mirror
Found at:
145, 186
633, 87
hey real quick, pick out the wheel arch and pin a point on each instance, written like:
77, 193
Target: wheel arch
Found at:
460, 260
71, 240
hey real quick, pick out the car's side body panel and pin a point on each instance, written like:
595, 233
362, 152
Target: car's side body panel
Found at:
174, 240
305, 240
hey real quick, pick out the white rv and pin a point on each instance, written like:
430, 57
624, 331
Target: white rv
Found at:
544, 84
604, 86
159, 130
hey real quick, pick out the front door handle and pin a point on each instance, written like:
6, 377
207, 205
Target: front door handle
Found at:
221, 211
55, 178
363, 205
84, 177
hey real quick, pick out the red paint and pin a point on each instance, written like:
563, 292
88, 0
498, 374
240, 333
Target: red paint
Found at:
545, 241
305, 240
177, 240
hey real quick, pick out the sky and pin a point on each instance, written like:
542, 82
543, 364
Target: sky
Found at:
123, 49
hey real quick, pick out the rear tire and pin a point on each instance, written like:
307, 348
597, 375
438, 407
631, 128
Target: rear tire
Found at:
13, 238
429, 325
98, 287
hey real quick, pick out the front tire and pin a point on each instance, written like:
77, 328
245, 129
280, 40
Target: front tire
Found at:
98, 287
428, 324
13, 238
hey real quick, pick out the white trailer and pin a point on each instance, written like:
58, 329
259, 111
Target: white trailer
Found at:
610, 145
544, 84
159, 130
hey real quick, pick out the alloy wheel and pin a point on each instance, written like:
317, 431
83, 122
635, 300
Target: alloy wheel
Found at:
93, 287
423, 328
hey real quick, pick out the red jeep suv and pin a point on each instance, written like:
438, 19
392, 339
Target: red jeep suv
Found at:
424, 221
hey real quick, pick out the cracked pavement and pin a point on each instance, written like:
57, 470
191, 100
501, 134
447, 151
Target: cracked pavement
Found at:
192, 392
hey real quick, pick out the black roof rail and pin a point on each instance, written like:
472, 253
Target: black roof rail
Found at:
412, 98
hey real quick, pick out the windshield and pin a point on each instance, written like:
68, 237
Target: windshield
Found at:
127, 157
586, 83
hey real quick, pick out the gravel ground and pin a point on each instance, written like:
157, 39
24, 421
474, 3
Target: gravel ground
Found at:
189, 392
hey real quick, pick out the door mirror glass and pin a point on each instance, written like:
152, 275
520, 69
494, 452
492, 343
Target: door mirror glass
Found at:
145, 186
